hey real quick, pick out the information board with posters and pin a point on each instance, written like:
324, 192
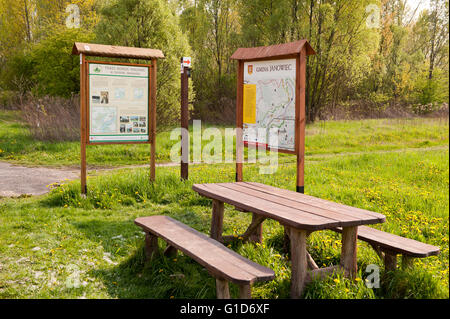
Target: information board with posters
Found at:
269, 102
118, 103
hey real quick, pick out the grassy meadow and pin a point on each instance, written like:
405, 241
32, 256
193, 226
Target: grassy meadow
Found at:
61, 245
322, 138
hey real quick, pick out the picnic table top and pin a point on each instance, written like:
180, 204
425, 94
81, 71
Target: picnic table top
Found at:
289, 208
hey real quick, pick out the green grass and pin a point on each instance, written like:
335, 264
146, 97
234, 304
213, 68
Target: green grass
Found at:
44, 239
399, 168
322, 138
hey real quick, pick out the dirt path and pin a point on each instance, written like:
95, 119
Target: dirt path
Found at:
20, 180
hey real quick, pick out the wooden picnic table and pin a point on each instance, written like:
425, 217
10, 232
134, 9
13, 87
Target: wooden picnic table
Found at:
300, 214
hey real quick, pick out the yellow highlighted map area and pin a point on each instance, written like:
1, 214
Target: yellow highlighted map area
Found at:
249, 104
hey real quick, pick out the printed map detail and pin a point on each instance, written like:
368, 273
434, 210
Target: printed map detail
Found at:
103, 120
275, 103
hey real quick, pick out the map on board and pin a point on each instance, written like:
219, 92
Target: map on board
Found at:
103, 120
118, 103
269, 103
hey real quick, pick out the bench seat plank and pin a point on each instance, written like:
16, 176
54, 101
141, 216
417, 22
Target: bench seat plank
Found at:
395, 243
211, 254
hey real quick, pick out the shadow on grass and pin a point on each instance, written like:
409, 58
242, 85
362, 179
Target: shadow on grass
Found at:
161, 278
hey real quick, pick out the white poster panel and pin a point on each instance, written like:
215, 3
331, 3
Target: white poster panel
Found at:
269, 102
118, 103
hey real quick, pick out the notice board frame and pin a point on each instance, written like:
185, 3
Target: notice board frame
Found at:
297, 50
100, 50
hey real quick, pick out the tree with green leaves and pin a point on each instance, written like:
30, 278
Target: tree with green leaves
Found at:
212, 27
149, 24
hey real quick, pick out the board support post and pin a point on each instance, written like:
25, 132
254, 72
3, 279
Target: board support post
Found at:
184, 165
300, 117
239, 122
153, 120
83, 127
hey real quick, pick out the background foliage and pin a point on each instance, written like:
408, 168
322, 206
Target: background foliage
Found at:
364, 66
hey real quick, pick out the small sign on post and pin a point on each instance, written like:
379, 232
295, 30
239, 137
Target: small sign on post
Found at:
186, 61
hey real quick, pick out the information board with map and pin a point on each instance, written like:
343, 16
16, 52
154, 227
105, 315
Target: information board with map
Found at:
269, 102
118, 103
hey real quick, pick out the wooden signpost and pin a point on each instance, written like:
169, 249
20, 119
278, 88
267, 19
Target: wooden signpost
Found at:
185, 74
271, 85
117, 100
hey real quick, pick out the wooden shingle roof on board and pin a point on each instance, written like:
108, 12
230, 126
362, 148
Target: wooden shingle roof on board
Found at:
277, 50
115, 51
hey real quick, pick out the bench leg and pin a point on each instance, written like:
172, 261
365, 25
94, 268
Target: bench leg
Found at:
222, 290
151, 245
349, 250
245, 291
390, 261
170, 251
286, 241
407, 262
298, 260
217, 220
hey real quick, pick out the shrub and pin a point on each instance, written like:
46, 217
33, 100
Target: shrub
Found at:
52, 118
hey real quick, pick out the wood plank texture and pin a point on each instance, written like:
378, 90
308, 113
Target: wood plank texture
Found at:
239, 121
217, 221
220, 261
245, 292
298, 261
349, 250
289, 208
390, 261
222, 289
152, 119
151, 245
115, 51
320, 203
395, 243
272, 51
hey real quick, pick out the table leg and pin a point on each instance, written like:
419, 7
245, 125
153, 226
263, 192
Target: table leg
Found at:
254, 231
217, 220
222, 290
298, 261
349, 249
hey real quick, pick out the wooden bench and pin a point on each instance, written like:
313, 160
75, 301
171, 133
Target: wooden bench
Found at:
222, 263
388, 246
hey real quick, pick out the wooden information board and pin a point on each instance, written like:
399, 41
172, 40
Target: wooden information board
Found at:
117, 100
271, 85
